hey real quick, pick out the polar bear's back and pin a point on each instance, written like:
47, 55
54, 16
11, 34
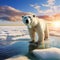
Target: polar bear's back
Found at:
43, 24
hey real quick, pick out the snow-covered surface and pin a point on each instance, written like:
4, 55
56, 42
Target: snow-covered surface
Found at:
12, 33
52, 53
46, 54
19, 58
55, 33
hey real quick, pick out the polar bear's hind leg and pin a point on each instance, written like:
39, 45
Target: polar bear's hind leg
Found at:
46, 33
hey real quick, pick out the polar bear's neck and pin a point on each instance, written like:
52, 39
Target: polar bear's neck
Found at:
29, 26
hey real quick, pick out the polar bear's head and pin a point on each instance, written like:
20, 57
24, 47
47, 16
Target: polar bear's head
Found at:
29, 20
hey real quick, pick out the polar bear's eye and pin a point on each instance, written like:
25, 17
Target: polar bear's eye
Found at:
29, 16
22, 16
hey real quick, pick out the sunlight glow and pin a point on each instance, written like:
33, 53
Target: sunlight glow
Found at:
56, 24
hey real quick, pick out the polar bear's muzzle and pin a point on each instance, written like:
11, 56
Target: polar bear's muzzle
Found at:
27, 21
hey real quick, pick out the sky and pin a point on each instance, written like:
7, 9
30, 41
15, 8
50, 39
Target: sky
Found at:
43, 7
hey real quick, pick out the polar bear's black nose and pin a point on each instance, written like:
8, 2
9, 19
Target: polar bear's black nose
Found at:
27, 21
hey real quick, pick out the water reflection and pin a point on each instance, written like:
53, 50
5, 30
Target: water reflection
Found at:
18, 47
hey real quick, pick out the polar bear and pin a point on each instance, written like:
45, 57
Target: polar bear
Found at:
37, 25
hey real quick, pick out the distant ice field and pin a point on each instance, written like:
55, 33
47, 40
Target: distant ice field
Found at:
13, 33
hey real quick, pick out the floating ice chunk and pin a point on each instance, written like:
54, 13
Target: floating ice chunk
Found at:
19, 58
50, 53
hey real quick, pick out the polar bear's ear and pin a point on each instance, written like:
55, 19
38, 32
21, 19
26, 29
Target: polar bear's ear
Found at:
22, 16
33, 15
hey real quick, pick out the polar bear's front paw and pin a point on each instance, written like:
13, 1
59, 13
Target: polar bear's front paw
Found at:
32, 41
40, 46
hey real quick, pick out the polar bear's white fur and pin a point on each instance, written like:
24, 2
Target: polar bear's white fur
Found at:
37, 25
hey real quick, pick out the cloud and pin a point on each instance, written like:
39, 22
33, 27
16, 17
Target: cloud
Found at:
51, 8
40, 11
51, 2
37, 7
56, 9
